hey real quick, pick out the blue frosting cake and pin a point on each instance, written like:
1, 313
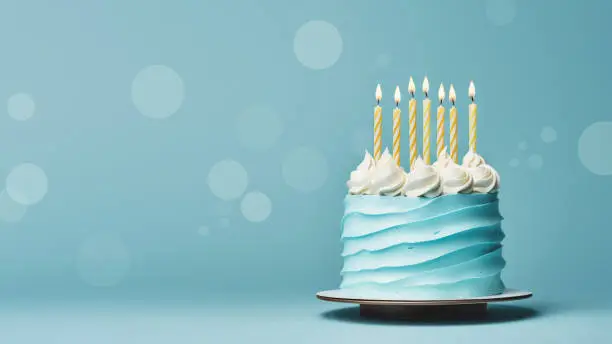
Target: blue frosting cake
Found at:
443, 247
432, 233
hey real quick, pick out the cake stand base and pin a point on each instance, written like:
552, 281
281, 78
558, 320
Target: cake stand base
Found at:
393, 312
392, 307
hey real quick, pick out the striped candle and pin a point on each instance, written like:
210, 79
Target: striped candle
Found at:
426, 123
453, 124
473, 110
440, 148
397, 127
412, 123
378, 125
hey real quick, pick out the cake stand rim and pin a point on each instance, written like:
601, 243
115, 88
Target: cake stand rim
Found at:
510, 295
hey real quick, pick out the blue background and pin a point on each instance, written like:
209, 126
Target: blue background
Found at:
143, 181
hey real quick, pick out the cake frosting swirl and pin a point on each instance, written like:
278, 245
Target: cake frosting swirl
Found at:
485, 177
442, 162
422, 181
384, 177
472, 159
387, 177
359, 181
456, 179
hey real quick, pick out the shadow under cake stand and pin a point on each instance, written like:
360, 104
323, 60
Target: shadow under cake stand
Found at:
392, 308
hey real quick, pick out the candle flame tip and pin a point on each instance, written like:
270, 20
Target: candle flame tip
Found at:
441, 93
398, 96
472, 90
411, 87
425, 85
378, 93
451, 94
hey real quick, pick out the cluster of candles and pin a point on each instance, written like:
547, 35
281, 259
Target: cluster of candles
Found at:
412, 132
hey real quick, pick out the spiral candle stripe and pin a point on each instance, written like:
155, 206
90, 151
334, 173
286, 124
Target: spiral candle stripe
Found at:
453, 133
427, 131
440, 137
377, 132
396, 135
473, 120
412, 132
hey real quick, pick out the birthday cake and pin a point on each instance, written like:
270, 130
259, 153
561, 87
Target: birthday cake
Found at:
432, 232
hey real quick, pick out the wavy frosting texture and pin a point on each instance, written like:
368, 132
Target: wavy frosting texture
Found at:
385, 178
423, 248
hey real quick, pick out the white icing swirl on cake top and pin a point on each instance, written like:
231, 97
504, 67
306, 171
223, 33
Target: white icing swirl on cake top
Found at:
387, 177
422, 181
442, 162
471, 160
456, 179
360, 178
486, 178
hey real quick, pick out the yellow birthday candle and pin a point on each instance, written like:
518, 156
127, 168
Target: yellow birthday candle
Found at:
378, 124
473, 110
412, 109
440, 148
397, 127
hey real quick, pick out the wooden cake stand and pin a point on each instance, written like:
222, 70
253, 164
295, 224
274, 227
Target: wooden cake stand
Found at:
415, 309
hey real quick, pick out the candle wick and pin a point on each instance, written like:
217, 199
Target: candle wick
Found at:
377, 102
472, 99
426, 95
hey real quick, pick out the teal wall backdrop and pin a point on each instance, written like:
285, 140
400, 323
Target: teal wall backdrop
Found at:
173, 149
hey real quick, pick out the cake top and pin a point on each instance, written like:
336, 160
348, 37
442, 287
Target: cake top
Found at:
385, 177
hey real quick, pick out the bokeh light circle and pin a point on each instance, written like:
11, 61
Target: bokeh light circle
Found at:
103, 260
259, 127
203, 230
593, 148
21, 106
158, 91
317, 44
548, 135
11, 211
501, 12
256, 206
27, 184
305, 169
228, 179
523, 145
514, 162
